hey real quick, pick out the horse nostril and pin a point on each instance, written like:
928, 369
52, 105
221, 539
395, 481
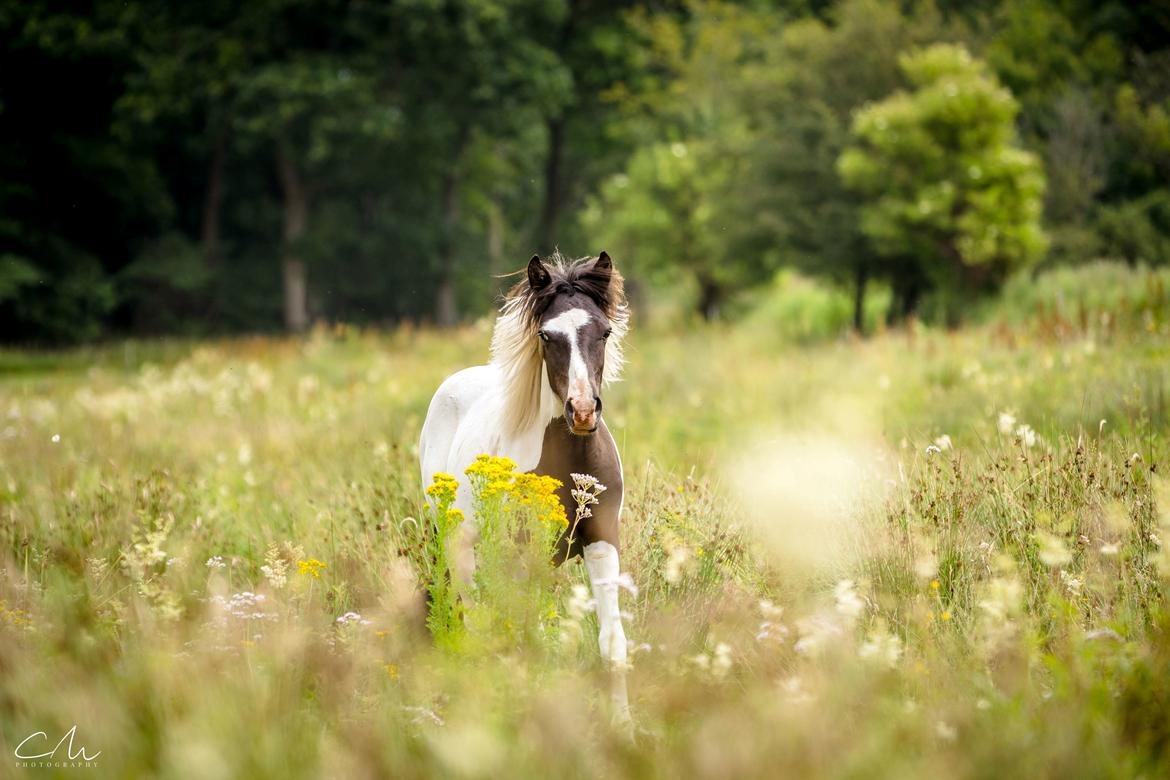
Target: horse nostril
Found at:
597, 403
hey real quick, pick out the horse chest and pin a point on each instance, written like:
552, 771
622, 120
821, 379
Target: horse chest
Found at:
562, 455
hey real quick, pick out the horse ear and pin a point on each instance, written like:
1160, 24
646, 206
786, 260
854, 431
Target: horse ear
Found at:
603, 262
538, 275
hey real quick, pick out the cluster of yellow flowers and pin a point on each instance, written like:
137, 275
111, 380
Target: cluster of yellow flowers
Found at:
311, 568
15, 617
540, 493
442, 489
493, 476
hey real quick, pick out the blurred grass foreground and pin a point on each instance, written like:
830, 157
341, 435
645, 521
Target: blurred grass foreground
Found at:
934, 553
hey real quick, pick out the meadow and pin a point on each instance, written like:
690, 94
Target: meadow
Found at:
926, 553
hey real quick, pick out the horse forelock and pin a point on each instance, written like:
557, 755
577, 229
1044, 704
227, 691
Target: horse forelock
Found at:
515, 348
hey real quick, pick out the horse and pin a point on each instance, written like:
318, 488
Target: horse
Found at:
556, 343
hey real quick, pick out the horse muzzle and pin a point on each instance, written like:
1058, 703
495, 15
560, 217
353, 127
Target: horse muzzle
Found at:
583, 415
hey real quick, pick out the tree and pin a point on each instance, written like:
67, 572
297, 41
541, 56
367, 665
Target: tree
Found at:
669, 213
800, 101
680, 204
945, 180
473, 70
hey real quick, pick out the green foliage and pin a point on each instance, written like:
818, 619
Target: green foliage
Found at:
1137, 230
433, 563
168, 282
16, 273
71, 304
803, 310
1096, 297
405, 154
948, 183
678, 210
669, 212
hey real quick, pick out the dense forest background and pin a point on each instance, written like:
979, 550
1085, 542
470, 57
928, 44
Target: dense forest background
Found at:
218, 166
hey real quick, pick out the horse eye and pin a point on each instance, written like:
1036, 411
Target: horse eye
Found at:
607, 332
543, 336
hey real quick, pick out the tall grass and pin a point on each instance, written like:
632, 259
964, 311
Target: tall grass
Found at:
931, 553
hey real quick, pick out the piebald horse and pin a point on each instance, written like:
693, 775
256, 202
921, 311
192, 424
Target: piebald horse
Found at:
557, 341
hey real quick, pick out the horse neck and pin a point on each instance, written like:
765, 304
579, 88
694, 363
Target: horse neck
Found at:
532, 430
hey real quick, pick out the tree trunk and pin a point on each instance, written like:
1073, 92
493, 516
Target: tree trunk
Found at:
495, 238
710, 296
213, 202
446, 312
546, 230
860, 277
550, 211
296, 216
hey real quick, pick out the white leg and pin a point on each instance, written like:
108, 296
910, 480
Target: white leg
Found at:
462, 543
601, 561
462, 552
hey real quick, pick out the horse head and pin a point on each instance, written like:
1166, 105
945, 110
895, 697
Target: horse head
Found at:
572, 308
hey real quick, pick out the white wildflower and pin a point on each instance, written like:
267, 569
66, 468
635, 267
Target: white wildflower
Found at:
580, 603
721, 664
1073, 584
1007, 422
926, 565
1052, 550
881, 647
849, 603
352, 618
216, 562
626, 581
769, 631
794, 690
674, 564
1028, 436
815, 632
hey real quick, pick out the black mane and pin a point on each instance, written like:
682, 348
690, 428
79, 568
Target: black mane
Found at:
593, 277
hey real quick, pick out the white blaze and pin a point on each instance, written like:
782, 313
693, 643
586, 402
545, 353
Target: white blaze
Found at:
568, 323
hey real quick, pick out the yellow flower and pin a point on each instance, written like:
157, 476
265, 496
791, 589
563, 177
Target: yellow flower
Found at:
442, 488
391, 670
454, 516
946, 616
311, 568
934, 584
493, 477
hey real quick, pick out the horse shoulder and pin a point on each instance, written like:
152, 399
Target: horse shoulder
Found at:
447, 414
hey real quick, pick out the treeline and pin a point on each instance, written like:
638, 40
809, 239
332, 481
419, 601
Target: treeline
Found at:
221, 166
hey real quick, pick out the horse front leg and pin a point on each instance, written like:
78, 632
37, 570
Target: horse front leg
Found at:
461, 546
601, 561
